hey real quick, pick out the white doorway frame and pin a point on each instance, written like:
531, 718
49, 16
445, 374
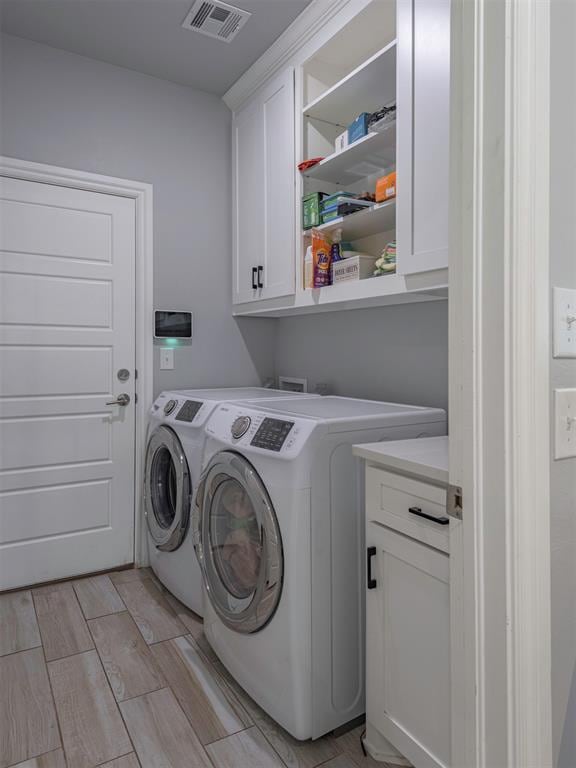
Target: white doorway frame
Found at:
499, 384
141, 193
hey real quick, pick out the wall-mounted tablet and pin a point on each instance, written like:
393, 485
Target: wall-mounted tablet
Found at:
172, 324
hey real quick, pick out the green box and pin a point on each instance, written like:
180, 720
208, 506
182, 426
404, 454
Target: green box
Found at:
311, 209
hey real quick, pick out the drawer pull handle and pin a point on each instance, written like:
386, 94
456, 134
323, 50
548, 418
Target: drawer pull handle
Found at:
254, 273
439, 520
370, 552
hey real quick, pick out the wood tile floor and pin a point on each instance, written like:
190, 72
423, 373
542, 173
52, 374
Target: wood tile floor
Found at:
113, 671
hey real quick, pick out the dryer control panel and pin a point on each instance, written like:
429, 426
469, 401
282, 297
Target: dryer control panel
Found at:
172, 407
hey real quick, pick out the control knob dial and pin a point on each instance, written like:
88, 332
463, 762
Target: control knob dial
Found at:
240, 426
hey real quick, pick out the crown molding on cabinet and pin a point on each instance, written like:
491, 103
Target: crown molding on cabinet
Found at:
302, 29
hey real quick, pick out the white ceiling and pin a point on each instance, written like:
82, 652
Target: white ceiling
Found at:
147, 36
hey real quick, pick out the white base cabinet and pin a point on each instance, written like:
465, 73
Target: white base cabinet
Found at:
408, 646
408, 623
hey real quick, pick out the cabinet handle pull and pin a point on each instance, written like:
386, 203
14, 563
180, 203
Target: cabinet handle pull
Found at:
439, 520
371, 582
260, 283
254, 271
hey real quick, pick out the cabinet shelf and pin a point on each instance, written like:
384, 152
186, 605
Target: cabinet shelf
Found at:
369, 86
369, 155
372, 221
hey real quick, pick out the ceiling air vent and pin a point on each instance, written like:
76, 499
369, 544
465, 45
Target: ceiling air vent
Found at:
216, 19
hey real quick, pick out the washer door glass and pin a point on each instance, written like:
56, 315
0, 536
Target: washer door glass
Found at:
239, 544
167, 490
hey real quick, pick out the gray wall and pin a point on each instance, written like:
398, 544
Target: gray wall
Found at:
389, 353
563, 374
67, 110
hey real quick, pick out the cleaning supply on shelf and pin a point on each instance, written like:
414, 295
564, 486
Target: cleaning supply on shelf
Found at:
335, 248
311, 209
359, 128
386, 264
341, 141
321, 260
383, 118
308, 269
386, 187
305, 165
356, 267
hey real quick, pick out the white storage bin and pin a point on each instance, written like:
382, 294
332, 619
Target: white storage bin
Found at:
353, 268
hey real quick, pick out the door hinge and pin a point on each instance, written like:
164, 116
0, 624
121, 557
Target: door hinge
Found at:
135, 397
454, 502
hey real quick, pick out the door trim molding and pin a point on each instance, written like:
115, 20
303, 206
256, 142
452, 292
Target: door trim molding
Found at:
499, 384
142, 194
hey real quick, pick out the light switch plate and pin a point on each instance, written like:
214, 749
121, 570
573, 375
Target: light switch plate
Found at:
564, 322
564, 423
166, 359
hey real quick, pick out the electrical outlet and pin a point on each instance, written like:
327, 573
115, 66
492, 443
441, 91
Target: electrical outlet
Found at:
564, 322
564, 423
166, 359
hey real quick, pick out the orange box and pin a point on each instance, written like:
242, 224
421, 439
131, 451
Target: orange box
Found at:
386, 187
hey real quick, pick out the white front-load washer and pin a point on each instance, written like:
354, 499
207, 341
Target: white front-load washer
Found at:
279, 532
175, 443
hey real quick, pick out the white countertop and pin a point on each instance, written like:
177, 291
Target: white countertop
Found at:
426, 457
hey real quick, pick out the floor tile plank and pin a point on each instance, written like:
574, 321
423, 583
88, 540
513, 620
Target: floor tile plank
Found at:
294, 753
92, 728
342, 761
18, 626
128, 761
131, 574
204, 702
247, 748
191, 620
349, 744
62, 626
54, 759
153, 615
98, 596
161, 733
28, 725
128, 662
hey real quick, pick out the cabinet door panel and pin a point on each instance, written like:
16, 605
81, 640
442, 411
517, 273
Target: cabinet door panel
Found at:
248, 220
279, 183
423, 134
264, 189
408, 647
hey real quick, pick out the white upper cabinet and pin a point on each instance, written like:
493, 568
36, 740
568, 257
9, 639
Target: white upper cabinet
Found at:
423, 121
263, 193
338, 64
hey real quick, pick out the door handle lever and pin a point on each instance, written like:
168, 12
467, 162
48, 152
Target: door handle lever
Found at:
122, 399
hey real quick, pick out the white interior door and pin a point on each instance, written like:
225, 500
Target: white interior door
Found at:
67, 308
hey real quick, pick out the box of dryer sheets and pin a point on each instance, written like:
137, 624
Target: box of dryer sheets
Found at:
353, 268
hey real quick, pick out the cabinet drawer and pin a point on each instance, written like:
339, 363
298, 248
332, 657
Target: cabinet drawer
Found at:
390, 497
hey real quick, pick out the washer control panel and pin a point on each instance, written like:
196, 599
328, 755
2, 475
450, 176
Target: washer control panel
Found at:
272, 434
259, 431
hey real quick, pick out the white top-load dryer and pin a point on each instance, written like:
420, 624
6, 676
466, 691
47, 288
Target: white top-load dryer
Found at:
175, 443
279, 531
